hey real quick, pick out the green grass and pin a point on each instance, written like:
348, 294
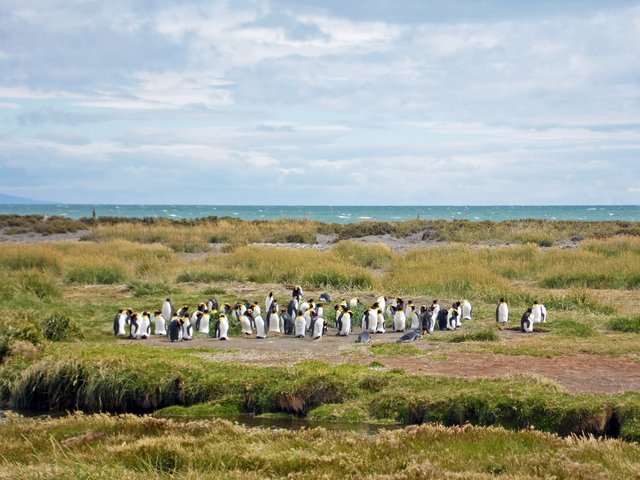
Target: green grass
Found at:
625, 324
482, 336
105, 447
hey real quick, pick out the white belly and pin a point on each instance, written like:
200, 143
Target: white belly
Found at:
245, 325
466, 311
346, 325
274, 323
143, 328
260, 333
380, 326
187, 330
372, 322
415, 321
300, 327
537, 314
451, 322
159, 325
503, 313
399, 321
317, 328
204, 324
122, 323
223, 329
166, 311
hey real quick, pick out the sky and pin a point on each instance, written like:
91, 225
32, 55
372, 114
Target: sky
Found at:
364, 102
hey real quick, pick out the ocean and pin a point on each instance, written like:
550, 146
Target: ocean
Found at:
337, 214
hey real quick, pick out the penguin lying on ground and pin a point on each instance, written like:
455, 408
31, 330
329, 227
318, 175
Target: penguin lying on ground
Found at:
410, 337
364, 337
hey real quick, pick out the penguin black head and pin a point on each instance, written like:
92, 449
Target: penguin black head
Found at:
501, 299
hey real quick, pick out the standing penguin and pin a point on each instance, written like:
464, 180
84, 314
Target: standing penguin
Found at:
345, 323
436, 308
268, 301
543, 310
300, 325
194, 319
380, 325
222, 327
399, 319
458, 308
526, 322
452, 318
287, 323
134, 325
415, 319
187, 328
159, 323
443, 318
537, 312
175, 329
317, 327
370, 319
340, 310
466, 310
120, 322
502, 311
354, 302
258, 322
292, 308
167, 311
308, 317
272, 320
428, 322
245, 323
144, 329
203, 323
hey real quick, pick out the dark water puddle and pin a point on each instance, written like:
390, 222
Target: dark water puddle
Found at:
247, 420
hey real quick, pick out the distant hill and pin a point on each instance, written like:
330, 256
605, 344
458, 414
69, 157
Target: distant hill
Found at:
9, 199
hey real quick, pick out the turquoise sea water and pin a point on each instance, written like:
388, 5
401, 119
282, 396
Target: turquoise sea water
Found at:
337, 214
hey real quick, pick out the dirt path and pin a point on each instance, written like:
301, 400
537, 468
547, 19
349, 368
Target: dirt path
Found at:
576, 373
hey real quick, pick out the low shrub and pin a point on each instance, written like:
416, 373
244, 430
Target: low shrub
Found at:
59, 328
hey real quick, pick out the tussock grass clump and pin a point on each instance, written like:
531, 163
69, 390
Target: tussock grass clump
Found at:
30, 257
625, 324
59, 328
367, 256
95, 275
38, 284
206, 276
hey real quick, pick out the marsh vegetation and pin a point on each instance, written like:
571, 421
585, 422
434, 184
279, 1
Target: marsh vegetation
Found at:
57, 302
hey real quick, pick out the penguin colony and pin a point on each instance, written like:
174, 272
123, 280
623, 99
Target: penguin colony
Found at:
302, 318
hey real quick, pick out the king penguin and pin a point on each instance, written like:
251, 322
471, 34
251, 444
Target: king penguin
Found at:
466, 310
537, 312
502, 311
399, 319
120, 322
167, 311
204, 322
222, 327
300, 325
159, 323
317, 327
345, 323
144, 329
526, 322
175, 328
258, 322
